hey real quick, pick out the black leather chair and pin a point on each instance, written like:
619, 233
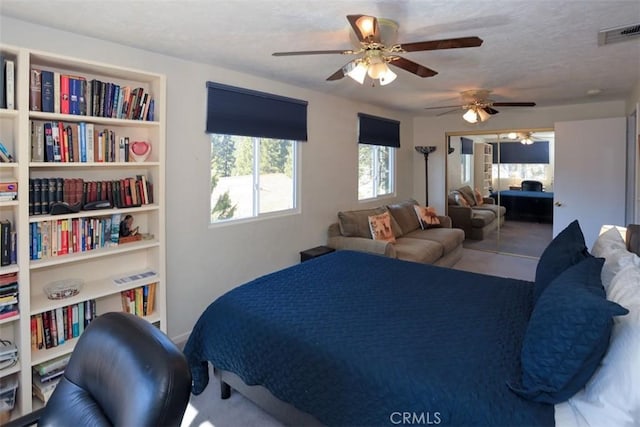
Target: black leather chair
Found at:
528, 185
123, 372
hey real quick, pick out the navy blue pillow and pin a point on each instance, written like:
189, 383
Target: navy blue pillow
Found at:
567, 335
566, 249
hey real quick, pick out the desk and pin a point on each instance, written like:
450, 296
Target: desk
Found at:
526, 205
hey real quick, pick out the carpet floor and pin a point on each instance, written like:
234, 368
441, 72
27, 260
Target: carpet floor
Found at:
516, 237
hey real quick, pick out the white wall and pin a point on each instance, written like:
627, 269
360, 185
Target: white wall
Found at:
433, 130
204, 262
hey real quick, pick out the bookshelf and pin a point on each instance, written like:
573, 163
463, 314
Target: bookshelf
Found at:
483, 159
95, 266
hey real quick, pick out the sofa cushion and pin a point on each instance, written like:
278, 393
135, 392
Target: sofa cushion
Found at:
356, 223
405, 216
449, 238
493, 208
481, 218
380, 226
418, 250
468, 195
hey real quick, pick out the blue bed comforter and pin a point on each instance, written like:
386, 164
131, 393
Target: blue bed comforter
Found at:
358, 339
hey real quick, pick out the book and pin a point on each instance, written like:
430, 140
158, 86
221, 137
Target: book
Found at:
64, 94
5, 242
46, 79
48, 142
56, 92
53, 364
74, 95
3, 95
35, 90
10, 83
37, 141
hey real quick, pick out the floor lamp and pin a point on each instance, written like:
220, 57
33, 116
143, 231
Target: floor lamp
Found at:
426, 150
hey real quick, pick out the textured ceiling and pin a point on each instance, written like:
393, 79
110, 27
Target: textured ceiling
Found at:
540, 51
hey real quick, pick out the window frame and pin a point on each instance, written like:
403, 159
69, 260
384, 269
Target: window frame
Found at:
255, 191
375, 182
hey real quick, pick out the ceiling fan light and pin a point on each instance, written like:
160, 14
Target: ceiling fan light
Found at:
526, 141
377, 68
387, 77
483, 115
365, 25
470, 116
512, 135
357, 72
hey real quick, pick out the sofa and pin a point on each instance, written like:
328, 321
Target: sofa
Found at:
439, 245
476, 215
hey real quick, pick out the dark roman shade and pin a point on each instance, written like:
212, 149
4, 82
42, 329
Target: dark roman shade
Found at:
515, 152
378, 131
467, 145
237, 111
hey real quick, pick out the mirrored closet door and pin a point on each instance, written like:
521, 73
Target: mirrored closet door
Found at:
500, 189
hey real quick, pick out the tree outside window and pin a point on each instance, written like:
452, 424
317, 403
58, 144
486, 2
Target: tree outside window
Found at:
375, 171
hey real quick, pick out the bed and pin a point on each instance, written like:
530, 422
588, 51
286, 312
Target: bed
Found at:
526, 205
357, 339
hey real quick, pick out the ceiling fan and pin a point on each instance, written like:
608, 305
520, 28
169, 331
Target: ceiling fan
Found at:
375, 43
478, 105
526, 138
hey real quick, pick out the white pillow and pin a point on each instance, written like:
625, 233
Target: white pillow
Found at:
612, 395
611, 246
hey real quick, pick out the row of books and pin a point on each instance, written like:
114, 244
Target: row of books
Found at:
8, 190
46, 376
54, 92
140, 300
72, 235
53, 327
121, 193
8, 295
57, 141
7, 82
8, 243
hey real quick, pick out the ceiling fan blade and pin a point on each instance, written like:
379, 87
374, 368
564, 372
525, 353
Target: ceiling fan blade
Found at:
413, 67
313, 52
444, 106
442, 44
447, 112
337, 75
374, 37
490, 110
513, 104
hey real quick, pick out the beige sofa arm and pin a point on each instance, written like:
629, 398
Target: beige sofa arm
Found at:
445, 221
338, 241
461, 218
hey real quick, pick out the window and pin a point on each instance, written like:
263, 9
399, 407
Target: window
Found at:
516, 172
251, 176
465, 170
378, 138
376, 171
254, 140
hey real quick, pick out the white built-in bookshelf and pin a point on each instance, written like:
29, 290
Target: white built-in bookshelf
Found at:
98, 264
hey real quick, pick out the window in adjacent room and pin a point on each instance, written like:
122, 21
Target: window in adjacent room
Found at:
378, 139
254, 146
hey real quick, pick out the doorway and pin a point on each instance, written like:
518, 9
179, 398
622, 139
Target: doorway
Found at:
512, 171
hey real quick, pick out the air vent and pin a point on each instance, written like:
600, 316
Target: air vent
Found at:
618, 34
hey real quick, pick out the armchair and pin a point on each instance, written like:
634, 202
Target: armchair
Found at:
123, 371
528, 185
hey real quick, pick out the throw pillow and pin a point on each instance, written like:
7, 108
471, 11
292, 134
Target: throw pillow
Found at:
427, 216
566, 249
479, 198
468, 195
356, 223
567, 336
461, 201
611, 246
380, 226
